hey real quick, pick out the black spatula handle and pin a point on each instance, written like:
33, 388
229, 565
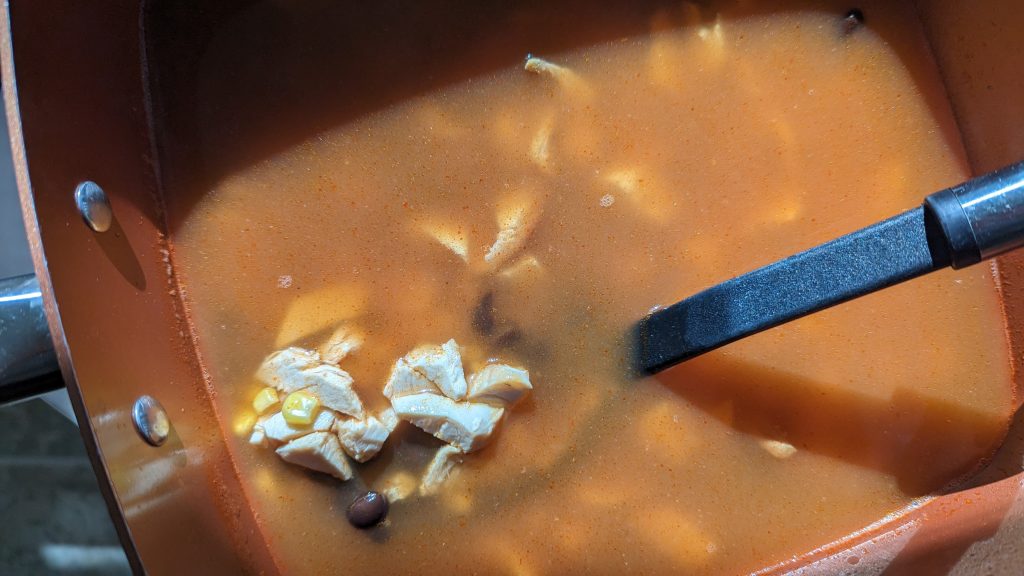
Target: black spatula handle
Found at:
955, 227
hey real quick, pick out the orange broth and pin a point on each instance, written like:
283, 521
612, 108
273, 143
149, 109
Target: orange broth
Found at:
674, 160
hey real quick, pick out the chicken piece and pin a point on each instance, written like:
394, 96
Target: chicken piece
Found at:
780, 450
258, 436
500, 383
316, 310
570, 82
389, 419
439, 469
540, 146
333, 386
626, 180
442, 365
465, 425
278, 430
517, 217
542, 66
405, 381
646, 198
284, 369
670, 50
319, 451
451, 236
524, 266
361, 439
294, 369
344, 341
398, 487
714, 38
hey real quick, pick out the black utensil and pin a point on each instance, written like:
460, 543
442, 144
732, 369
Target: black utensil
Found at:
956, 227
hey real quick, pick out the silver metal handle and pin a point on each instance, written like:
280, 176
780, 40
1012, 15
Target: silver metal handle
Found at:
28, 364
983, 217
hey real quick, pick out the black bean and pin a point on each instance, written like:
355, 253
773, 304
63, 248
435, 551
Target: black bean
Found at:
483, 315
853, 20
368, 510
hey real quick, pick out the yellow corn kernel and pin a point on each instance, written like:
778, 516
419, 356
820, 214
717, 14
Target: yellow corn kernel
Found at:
266, 399
299, 408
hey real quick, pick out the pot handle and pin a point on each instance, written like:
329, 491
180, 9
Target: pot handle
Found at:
28, 363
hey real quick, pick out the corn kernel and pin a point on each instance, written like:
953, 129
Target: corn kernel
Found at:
299, 408
265, 400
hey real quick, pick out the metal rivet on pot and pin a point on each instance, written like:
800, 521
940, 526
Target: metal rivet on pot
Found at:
93, 206
150, 420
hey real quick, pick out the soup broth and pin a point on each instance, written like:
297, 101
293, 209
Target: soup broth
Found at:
659, 164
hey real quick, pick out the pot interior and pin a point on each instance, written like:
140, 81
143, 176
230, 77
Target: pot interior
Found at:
266, 83
246, 106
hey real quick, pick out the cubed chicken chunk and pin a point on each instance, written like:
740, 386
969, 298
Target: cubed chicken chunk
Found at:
313, 310
389, 419
319, 451
343, 341
573, 86
333, 386
442, 365
517, 217
715, 40
542, 66
439, 469
258, 436
643, 194
278, 430
451, 236
405, 381
465, 425
500, 383
294, 369
399, 486
779, 449
540, 146
361, 439
284, 369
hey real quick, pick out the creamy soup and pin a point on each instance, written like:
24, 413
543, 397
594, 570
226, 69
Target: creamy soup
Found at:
659, 163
